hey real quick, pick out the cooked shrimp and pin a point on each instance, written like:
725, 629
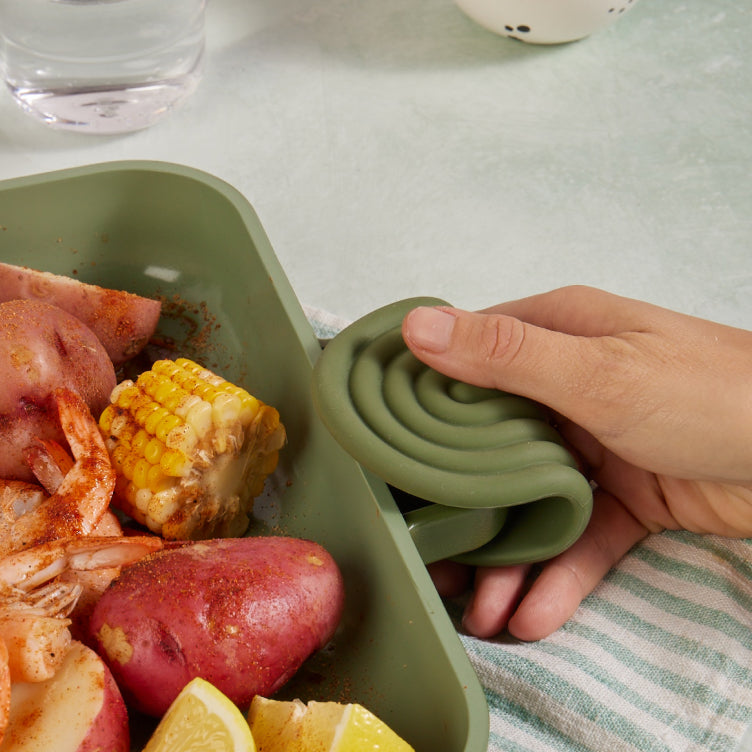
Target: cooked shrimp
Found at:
35, 603
83, 495
17, 497
49, 462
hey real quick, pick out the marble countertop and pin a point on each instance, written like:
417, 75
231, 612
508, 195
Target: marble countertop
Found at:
394, 149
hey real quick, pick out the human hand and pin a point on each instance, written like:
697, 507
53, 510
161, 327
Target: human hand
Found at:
657, 405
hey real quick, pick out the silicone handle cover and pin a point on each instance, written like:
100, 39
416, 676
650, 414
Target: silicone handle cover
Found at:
464, 448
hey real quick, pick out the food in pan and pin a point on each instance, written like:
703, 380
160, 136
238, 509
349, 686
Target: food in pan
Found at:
191, 450
243, 613
186, 452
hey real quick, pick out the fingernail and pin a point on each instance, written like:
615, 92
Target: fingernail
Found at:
430, 328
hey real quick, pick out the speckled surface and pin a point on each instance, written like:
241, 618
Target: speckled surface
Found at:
394, 149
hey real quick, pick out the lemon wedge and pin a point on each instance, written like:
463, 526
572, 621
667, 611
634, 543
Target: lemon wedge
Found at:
279, 726
202, 718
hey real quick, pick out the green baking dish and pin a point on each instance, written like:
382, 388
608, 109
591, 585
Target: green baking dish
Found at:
165, 230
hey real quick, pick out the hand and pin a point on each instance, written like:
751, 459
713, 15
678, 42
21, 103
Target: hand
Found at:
656, 404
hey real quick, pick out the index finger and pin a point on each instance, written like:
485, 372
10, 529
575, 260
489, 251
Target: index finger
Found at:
583, 311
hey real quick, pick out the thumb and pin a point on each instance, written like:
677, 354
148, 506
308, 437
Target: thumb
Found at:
503, 352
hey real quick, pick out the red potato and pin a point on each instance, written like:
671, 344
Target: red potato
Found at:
242, 613
80, 709
41, 348
122, 321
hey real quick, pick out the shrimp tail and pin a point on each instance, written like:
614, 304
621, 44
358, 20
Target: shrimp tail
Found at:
49, 462
29, 568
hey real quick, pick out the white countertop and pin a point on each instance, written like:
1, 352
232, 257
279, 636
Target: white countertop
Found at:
396, 148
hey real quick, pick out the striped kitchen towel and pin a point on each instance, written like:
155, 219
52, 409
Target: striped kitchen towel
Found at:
657, 659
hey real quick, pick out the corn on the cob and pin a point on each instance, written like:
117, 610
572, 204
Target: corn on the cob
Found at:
191, 450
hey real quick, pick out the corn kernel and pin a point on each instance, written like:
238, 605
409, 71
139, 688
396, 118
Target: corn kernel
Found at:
162, 507
182, 437
128, 464
156, 480
119, 454
187, 401
148, 382
157, 415
199, 417
225, 409
166, 426
206, 391
153, 450
144, 410
139, 441
249, 406
140, 473
123, 394
175, 463
166, 367
141, 498
184, 380
105, 419
188, 365
212, 378
164, 390
119, 425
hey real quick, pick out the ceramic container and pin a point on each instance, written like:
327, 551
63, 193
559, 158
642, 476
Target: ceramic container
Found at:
545, 21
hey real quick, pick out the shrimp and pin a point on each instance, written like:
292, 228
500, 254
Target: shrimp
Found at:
50, 463
82, 495
35, 602
17, 497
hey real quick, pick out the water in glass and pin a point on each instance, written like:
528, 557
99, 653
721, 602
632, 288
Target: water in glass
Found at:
103, 66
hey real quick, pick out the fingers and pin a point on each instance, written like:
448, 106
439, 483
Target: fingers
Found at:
450, 578
564, 582
556, 347
497, 592
584, 311
638, 489
506, 353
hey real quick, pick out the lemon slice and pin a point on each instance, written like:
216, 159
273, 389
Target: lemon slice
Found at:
201, 718
279, 726
275, 724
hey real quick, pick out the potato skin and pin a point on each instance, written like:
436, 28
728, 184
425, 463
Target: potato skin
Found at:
242, 613
41, 348
79, 709
122, 321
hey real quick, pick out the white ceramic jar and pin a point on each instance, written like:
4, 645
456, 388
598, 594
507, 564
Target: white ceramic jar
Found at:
545, 21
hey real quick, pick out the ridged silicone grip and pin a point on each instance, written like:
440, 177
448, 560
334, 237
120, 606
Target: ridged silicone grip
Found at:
449, 442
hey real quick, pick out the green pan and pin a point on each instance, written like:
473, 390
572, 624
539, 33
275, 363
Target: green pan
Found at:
188, 238
500, 486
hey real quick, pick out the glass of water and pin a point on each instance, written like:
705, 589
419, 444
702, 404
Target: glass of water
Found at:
101, 66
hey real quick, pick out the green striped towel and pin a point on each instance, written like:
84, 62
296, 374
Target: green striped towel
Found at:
657, 659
